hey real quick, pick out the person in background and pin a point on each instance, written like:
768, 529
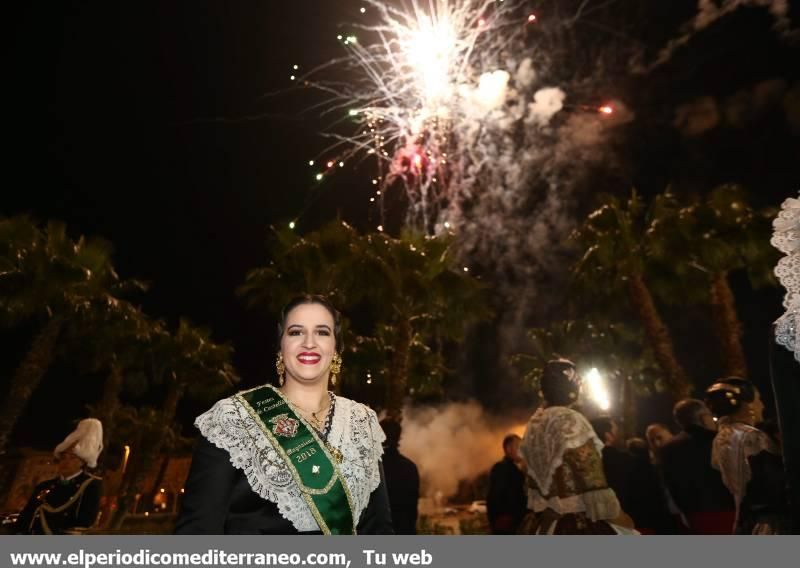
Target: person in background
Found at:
648, 503
657, 435
506, 501
749, 461
69, 502
567, 489
694, 485
402, 480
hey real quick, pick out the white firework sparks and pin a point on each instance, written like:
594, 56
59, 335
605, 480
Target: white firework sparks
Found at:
429, 77
462, 106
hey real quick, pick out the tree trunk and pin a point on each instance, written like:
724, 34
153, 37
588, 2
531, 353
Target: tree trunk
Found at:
628, 407
27, 378
658, 336
398, 373
109, 404
727, 326
170, 407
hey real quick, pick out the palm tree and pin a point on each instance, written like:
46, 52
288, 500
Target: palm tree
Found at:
617, 240
186, 362
319, 263
707, 239
367, 373
614, 347
113, 337
422, 293
47, 278
411, 285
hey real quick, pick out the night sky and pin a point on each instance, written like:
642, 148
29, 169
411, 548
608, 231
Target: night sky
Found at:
148, 123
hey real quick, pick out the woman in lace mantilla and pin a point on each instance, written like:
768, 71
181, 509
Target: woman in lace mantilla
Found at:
261, 452
567, 489
747, 458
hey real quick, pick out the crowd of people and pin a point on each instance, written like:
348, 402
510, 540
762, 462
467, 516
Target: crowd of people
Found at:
298, 459
721, 474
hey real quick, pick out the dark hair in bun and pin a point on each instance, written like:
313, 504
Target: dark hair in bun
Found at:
560, 382
726, 396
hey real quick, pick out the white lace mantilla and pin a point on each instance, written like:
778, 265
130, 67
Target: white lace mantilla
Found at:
786, 238
733, 445
354, 431
550, 432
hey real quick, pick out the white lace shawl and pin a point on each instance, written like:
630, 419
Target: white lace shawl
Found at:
550, 432
354, 431
786, 238
733, 445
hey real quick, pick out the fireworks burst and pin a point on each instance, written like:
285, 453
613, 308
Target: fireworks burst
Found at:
428, 83
461, 105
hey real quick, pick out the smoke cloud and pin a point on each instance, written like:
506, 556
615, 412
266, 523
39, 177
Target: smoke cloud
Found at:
703, 114
708, 13
455, 442
546, 102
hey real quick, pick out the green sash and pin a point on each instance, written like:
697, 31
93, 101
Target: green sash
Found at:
308, 458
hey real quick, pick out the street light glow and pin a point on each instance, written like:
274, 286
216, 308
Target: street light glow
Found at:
597, 389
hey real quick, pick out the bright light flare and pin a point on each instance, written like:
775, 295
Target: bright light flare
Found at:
606, 109
598, 390
531, 18
430, 51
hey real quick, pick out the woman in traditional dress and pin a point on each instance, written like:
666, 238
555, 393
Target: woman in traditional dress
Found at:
567, 489
291, 459
748, 459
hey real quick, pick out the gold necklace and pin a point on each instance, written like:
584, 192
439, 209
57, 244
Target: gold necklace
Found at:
317, 421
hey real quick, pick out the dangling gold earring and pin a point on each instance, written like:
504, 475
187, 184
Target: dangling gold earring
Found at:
281, 368
336, 367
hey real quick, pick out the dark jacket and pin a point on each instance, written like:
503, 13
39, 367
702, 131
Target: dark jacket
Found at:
766, 499
402, 483
694, 485
785, 374
84, 488
507, 501
646, 500
219, 500
618, 467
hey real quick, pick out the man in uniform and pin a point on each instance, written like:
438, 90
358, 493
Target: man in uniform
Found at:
72, 499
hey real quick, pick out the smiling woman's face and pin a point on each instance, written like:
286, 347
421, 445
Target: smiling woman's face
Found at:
308, 343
